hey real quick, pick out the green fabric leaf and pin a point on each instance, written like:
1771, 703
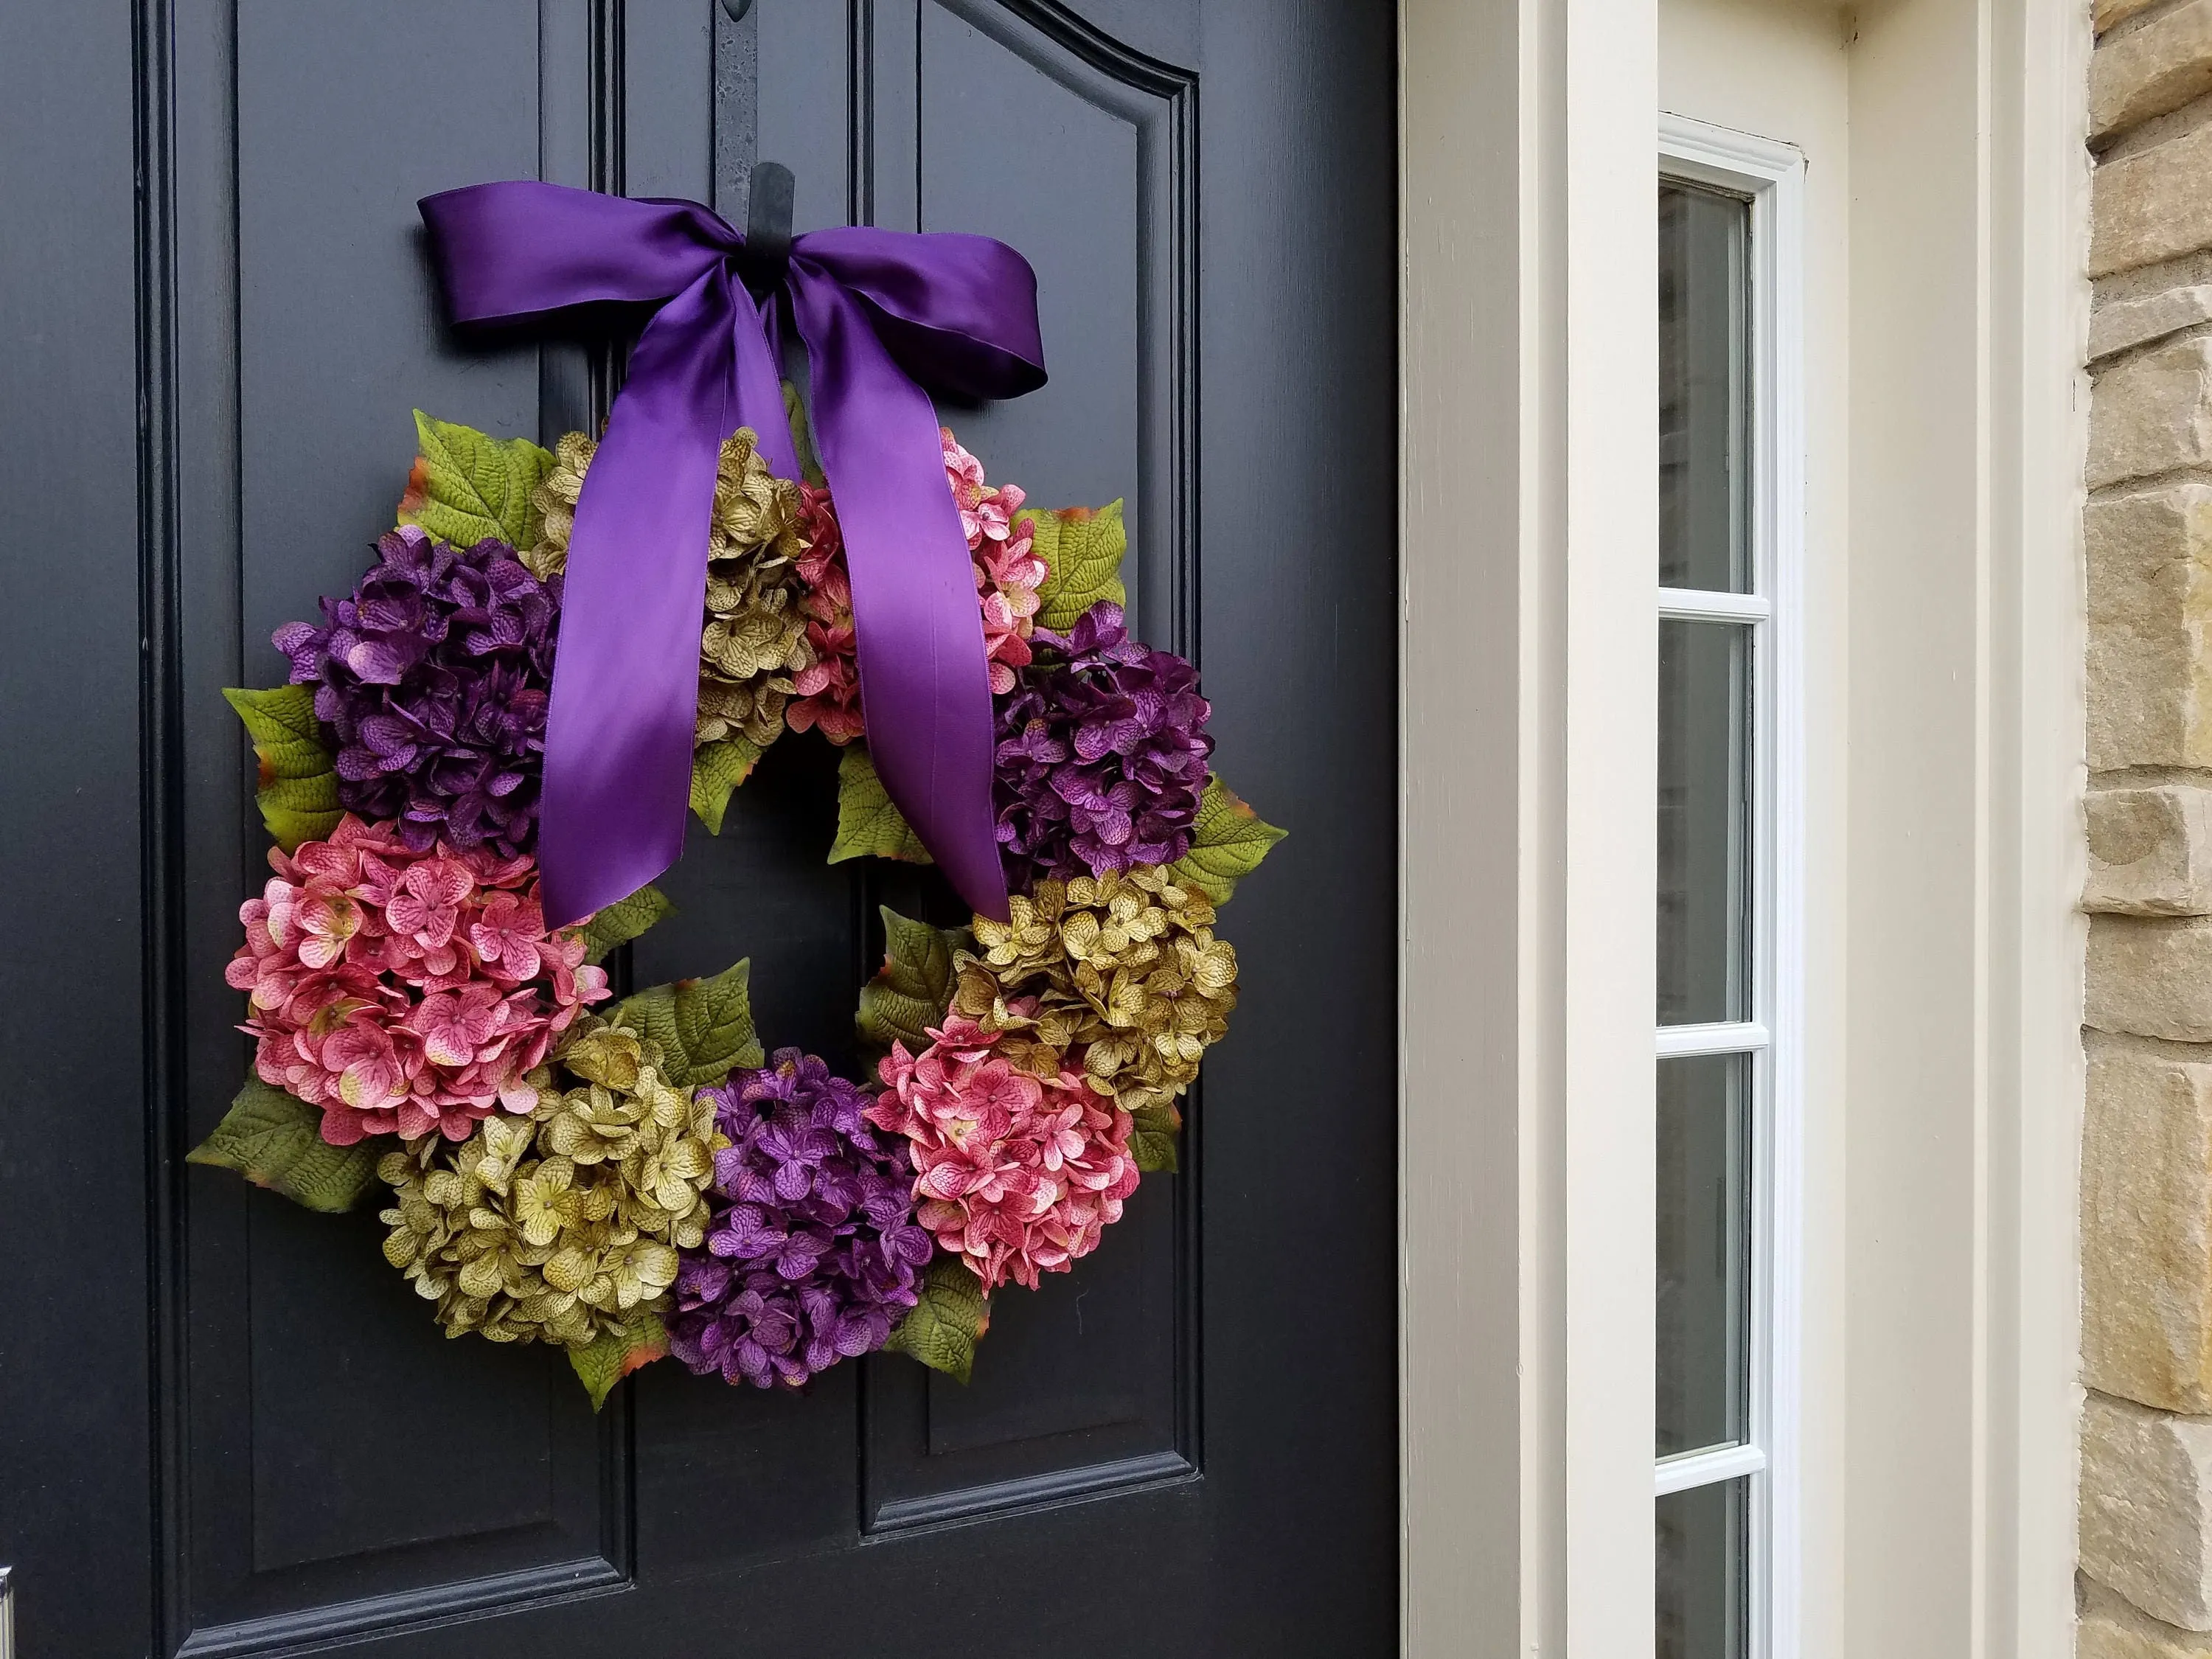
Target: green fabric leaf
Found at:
703, 1026
1152, 1135
802, 441
942, 1328
615, 1354
913, 987
1083, 547
297, 786
716, 769
1227, 842
466, 486
295, 809
282, 723
623, 920
274, 1140
868, 824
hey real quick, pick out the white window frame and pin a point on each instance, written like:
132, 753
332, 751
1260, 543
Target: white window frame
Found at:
1771, 176
1945, 616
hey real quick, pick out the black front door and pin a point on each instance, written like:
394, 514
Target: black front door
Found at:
226, 1426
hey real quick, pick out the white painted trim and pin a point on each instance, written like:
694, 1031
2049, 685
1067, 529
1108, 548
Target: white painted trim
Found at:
1700, 604
1772, 176
1482, 1148
1609, 942
1699, 152
2039, 414
1529, 564
1939, 1445
1705, 1468
1740, 1036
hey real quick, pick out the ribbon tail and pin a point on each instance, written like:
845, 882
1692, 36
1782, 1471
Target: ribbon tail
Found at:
924, 684
618, 733
760, 383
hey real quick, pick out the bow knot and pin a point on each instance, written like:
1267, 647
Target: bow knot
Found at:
886, 317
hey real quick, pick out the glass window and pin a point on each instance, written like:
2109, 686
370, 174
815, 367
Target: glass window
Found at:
1704, 539
1703, 1601
1705, 1251
1715, 705
1705, 808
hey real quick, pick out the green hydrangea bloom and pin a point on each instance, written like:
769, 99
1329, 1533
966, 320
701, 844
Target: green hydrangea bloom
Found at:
1124, 968
753, 638
557, 1226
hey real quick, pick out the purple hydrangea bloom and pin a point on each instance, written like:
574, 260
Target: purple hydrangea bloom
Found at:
434, 675
1102, 754
813, 1254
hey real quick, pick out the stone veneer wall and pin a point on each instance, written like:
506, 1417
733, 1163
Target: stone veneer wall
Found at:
2146, 1515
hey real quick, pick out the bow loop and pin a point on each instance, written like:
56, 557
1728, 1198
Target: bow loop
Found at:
965, 324
887, 317
520, 248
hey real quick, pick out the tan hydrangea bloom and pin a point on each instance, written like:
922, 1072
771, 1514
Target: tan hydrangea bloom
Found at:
1028, 940
755, 511
1123, 966
600, 1052
556, 499
753, 709
551, 1228
753, 640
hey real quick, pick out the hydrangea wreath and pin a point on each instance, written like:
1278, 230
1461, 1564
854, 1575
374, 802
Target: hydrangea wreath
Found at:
637, 1178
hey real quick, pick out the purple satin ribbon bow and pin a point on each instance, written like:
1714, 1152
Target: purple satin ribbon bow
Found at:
886, 317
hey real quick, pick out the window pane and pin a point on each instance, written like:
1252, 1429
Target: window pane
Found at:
1704, 1250
1705, 802
1704, 475
1702, 1544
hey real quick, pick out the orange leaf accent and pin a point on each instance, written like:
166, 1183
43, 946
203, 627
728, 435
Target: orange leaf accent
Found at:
418, 488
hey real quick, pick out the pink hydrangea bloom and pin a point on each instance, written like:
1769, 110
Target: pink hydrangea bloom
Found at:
1016, 1173
405, 992
987, 512
827, 692
1008, 573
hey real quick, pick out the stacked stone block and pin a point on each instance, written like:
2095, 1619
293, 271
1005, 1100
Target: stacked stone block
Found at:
2146, 1544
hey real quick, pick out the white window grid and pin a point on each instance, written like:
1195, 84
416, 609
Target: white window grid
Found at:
1770, 176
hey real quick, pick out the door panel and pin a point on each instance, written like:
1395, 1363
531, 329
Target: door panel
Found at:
296, 1455
1097, 1384
1107, 297
315, 1404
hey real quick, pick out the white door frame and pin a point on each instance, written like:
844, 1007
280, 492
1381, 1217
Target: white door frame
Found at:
1529, 529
